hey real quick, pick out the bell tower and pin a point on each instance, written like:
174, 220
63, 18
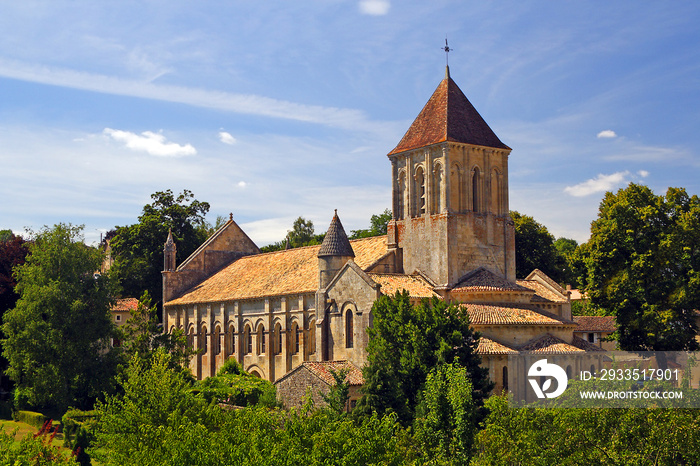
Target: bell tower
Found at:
450, 192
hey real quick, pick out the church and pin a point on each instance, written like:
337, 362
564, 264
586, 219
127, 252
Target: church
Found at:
450, 236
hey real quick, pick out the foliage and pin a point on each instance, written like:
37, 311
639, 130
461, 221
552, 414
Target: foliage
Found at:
138, 249
534, 249
157, 420
32, 450
13, 252
143, 335
406, 343
642, 265
378, 226
32, 418
301, 234
56, 336
337, 396
446, 423
588, 436
242, 389
79, 432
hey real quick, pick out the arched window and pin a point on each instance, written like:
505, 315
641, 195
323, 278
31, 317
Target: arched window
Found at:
312, 337
476, 185
420, 192
348, 329
217, 340
190, 338
456, 188
277, 344
203, 339
505, 377
568, 372
261, 339
248, 340
592, 369
437, 188
231, 340
295, 338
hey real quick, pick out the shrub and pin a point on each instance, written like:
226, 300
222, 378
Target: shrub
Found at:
30, 417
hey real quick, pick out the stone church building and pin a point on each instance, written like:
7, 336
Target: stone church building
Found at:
451, 236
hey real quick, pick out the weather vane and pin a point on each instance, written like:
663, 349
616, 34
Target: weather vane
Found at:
447, 50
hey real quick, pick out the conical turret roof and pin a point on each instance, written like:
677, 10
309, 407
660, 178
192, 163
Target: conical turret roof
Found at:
448, 116
336, 242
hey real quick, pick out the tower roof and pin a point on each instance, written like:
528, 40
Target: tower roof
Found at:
336, 242
448, 116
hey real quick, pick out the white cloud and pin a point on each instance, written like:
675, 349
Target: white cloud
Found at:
606, 134
242, 184
153, 143
226, 138
374, 7
600, 183
643, 173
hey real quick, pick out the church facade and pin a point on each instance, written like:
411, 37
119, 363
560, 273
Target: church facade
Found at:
451, 236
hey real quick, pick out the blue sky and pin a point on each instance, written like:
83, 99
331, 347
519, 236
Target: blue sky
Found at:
272, 110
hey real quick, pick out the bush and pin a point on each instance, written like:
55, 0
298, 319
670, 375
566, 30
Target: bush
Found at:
78, 425
238, 390
30, 417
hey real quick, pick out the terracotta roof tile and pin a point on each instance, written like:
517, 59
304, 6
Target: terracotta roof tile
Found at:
585, 345
448, 116
484, 280
323, 371
416, 285
291, 271
549, 344
488, 346
541, 291
482, 314
595, 323
125, 304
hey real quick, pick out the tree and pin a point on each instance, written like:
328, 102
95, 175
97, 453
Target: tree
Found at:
301, 234
143, 336
378, 226
13, 252
138, 249
406, 343
57, 335
642, 265
534, 248
337, 396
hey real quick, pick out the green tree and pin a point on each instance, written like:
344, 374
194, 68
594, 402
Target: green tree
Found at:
534, 248
57, 335
137, 249
377, 226
406, 343
642, 265
301, 234
143, 335
337, 396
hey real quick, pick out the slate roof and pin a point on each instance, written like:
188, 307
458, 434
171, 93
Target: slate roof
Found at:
448, 116
336, 242
604, 324
482, 279
278, 273
125, 304
484, 314
549, 344
489, 346
416, 285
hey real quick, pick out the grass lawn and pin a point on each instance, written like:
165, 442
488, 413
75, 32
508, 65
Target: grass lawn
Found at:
24, 429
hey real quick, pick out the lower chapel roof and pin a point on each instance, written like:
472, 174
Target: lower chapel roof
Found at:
278, 273
485, 314
545, 344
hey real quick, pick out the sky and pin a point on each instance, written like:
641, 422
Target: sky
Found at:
271, 110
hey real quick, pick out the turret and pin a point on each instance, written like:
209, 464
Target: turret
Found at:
334, 253
169, 253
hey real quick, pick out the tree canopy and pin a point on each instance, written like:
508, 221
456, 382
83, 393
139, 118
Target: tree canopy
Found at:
642, 265
56, 336
137, 249
377, 226
406, 342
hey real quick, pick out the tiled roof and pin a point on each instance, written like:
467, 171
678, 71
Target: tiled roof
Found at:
416, 285
488, 346
291, 271
595, 324
125, 304
336, 242
585, 345
482, 314
549, 344
482, 279
323, 371
448, 116
542, 291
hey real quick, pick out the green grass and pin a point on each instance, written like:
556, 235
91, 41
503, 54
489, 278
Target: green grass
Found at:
24, 429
